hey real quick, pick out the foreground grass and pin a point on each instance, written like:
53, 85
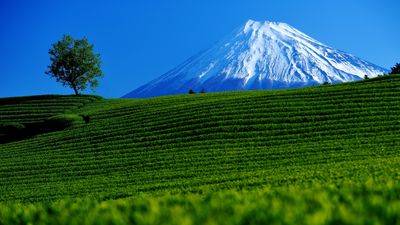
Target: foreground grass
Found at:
367, 203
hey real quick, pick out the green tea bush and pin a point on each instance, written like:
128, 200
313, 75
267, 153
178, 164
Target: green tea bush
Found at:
63, 121
365, 203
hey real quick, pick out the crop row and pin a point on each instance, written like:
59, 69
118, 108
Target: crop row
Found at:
335, 173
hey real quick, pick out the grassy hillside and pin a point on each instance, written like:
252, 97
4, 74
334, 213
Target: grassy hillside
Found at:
24, 117
37, 108
325, 138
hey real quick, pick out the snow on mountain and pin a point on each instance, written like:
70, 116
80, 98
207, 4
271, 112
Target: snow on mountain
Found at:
260, 55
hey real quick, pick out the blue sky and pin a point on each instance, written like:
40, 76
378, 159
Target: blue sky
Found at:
140, 40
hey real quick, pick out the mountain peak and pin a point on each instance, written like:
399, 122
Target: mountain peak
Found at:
251, 25
255, 25
261, 55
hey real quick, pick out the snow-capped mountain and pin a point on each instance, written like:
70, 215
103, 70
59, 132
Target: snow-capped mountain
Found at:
260, 55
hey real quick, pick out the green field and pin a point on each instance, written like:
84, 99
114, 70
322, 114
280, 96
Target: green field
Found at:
319, 155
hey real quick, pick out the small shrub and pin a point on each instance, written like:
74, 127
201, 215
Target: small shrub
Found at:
395, 69
62, 121
86, 118
326, 83
191, 92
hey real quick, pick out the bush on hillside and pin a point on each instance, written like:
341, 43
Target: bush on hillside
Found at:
86, 118
62, 121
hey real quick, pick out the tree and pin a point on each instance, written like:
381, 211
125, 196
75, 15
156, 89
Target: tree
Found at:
191, 92
396, 69
74, 64
366, 77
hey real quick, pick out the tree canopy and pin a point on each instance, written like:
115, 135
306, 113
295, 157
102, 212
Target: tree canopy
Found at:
74, 64
396, 69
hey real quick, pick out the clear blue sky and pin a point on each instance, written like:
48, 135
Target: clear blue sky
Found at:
140, 40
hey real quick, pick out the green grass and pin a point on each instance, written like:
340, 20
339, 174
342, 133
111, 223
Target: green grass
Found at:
24, 117
35, 109
275, 146
351, 204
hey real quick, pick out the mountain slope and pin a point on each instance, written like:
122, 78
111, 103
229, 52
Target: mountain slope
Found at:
260, 55
324, 135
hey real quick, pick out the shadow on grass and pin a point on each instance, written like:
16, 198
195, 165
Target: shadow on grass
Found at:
27, 131
12, 132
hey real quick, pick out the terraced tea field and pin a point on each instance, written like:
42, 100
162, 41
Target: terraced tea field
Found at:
37, 108
272, 147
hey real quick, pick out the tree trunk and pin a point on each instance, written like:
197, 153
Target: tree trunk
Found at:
75, 90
